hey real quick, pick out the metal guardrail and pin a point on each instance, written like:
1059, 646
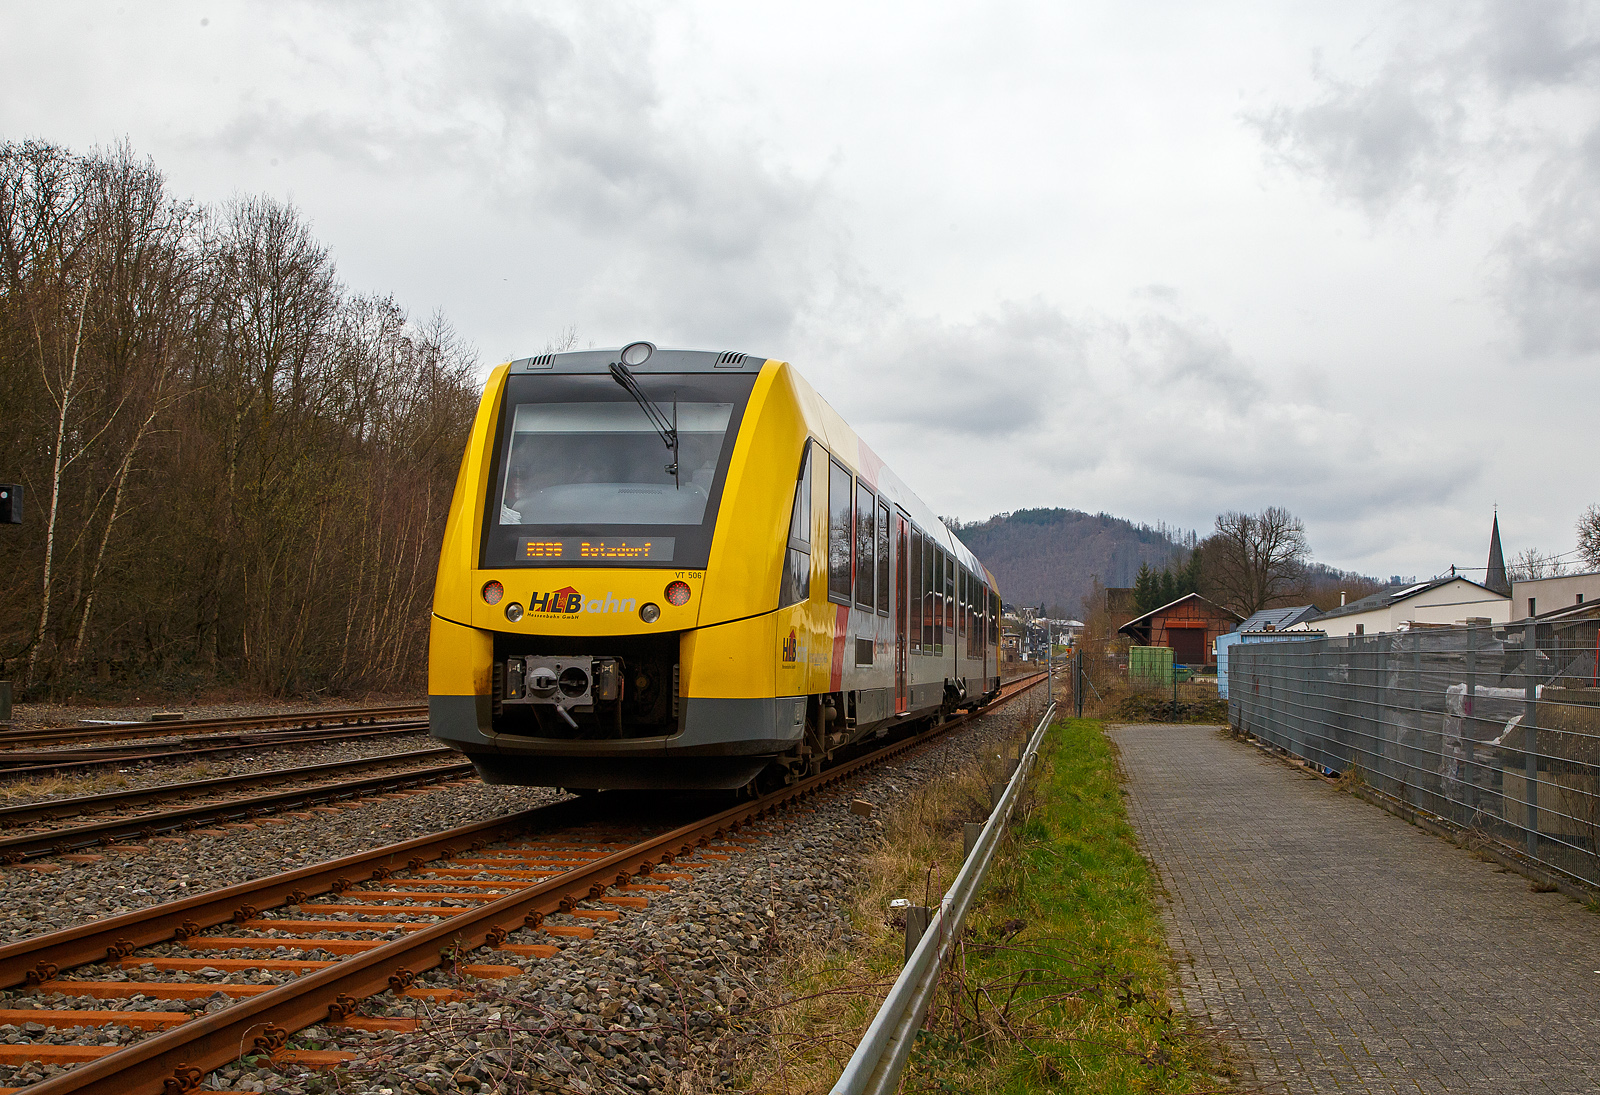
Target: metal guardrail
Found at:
875, 1067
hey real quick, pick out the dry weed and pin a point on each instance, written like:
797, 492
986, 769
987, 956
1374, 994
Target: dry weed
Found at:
820, 1000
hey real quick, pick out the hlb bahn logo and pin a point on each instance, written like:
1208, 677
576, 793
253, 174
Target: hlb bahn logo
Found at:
791, 648
569, 602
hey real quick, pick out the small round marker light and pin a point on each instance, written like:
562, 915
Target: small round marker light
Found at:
649, 612
637, 353
493, 591
678, 593
513, 612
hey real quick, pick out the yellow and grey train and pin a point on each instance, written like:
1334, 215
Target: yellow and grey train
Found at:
682, 569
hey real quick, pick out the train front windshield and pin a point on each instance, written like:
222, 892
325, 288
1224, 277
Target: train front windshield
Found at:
590, 480
605, 464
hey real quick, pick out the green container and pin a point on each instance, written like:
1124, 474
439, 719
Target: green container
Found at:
1150, 665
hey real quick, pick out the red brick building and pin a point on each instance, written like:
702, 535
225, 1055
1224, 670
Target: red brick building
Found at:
1190, 626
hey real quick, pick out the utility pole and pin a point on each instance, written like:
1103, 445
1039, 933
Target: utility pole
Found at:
1077, 679
1049, 654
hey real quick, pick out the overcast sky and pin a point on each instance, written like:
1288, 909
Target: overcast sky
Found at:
1160, 260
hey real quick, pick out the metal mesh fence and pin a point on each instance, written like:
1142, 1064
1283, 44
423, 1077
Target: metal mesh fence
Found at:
1495, 729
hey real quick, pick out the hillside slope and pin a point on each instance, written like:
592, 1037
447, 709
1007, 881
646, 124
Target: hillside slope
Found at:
1052, 556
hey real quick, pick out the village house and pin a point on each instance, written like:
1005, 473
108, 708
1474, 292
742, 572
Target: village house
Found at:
1536, 596
1190, 626
1446, 600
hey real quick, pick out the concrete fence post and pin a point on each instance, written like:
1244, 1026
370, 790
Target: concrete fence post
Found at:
1530, 731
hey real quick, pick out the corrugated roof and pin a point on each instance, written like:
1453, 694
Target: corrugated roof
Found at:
1395, 594
1278, 619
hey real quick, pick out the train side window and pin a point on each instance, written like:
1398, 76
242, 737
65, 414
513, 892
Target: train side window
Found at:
914, 594
974, 616
866, 544
975, 619
950, 596
796, 583
966, 608
841, 532
883, 559
961, 602
938, 599
993, 600
928, 614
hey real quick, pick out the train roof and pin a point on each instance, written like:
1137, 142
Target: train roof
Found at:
732, 362
660, 361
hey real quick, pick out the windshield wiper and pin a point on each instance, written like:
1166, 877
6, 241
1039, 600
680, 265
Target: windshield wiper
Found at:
667, 428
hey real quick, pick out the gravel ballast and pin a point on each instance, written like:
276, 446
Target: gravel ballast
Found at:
651, 1003
43, 716
152, 773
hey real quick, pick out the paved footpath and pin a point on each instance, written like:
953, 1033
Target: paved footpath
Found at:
1346, 950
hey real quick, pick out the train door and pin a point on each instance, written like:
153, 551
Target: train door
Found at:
901, 608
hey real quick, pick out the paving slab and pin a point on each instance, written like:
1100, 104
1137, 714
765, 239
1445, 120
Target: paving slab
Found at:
1344, 950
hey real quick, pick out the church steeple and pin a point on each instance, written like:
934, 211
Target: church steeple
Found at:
1496, 577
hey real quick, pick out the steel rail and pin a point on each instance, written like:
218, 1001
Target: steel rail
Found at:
876, 1065
104, 758
270, 736
174, 1059
311, 720
57, 808
92, 942
14, 849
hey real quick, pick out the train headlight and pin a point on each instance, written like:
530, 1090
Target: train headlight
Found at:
649, 612
678, 593
493, 591
513, 612
637, 353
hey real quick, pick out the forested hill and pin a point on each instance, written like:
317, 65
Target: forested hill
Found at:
1052, 556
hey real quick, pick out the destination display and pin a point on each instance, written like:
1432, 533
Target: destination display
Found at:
595, 549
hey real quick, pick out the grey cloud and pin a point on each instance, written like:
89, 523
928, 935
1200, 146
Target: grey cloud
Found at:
1186, 351
1154, 412
1372, 144
1000, 376
676, 229
1521, 45
1551, 274
1490, 93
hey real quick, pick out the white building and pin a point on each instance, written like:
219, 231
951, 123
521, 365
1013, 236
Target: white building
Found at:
1538, 595
1438, 601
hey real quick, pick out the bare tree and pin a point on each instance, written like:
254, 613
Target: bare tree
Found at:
1589, 537
258, 463
1253, 561
1533, 564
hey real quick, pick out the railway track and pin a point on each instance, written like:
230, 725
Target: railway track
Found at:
502, 885
18, 765
304, 720
343, 787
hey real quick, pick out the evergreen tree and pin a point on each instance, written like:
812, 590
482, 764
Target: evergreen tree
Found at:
1145, 591
1189, 576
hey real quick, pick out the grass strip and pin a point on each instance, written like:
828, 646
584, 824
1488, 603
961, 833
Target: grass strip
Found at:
1061, 982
